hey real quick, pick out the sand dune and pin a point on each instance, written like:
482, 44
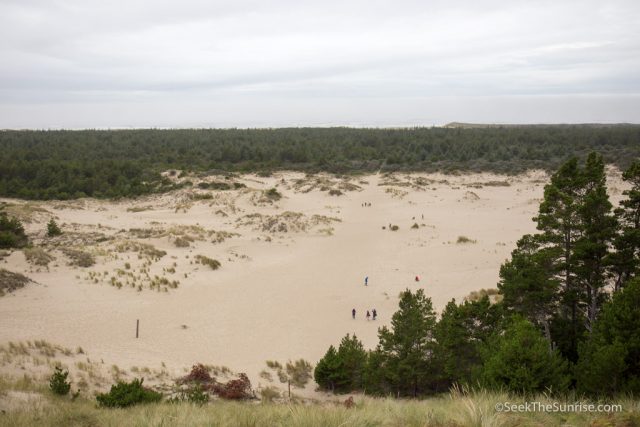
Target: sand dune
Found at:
291, 269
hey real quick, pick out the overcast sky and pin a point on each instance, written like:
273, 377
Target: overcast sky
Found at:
207, 63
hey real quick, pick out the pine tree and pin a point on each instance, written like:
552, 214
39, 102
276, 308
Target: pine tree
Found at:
459, 335
559, 222
408, 346
528, 284
53, 229
598, 230
610, 360
520, 361
325, 370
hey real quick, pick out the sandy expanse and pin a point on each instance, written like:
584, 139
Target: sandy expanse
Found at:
292, 269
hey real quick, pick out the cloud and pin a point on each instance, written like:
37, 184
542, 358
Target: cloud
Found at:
125, 53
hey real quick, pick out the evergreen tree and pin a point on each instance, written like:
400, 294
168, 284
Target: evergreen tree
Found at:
53, 229
12, 233
407, 347
520, 361
459, 335
610, 360
325, 370
528, 284
342, 370
559, 222
598, 230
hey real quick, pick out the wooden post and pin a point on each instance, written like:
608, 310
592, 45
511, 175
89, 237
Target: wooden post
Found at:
137, 327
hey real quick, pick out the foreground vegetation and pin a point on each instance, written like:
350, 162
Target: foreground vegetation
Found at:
451, 409
73, 164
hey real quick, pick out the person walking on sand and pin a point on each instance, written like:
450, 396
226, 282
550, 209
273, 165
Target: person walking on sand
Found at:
366, 281
353, 313
368, 315
375, 313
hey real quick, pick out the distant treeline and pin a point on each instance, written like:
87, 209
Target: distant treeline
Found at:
120, 163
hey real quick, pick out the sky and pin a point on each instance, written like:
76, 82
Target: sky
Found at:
207, 63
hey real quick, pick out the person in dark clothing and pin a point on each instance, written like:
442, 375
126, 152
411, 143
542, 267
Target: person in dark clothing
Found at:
353, 313
368, 315
375, 313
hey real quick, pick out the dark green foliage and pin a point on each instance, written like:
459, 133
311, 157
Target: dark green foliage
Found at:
11, 232
125, 394
325, 370
406, 349
527, 282
58, 382
520, 361
53, 229
117, 163
273, 194
460, 334
342, 371
610, 360
557, 278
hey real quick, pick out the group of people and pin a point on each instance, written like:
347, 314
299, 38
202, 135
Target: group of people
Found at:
373, 313
366, 205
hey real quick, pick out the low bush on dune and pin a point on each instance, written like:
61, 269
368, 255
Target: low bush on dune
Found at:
465, 239
204, 260
273, 194
199, 382
58, 382
12, 233
125, 394
183, 241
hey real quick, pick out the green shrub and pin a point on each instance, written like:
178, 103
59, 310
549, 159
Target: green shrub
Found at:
273, 194
125, 394
53, 229
58, 382
11, 232
197, 395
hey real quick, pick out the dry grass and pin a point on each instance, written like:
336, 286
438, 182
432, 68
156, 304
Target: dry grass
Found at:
454, 409
139, 208
285, 222
38, 256
204, 260
493, 294
79, 258
10, 281
143, 249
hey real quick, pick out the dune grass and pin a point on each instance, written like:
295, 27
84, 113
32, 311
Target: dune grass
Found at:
453, 409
